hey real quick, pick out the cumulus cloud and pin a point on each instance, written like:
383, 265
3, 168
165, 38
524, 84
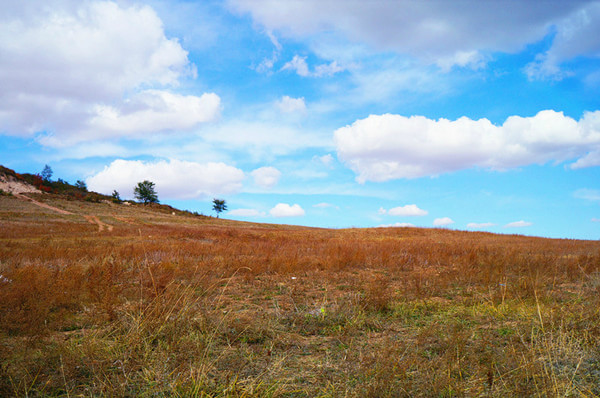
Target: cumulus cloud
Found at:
285, 210
246, 213
518, 224
266, 177
440, 222
291, 105
439, 31
386, 147
75, 69
475, 225
404, 211
148, 112
173, 178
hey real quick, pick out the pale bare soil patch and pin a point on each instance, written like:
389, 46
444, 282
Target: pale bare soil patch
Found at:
10, 184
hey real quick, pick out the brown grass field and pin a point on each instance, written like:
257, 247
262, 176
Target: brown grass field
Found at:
164, 304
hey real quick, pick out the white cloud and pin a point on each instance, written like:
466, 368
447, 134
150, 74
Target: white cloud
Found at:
75, 70
325, 205
385, 147
380, 81
590, 160
440, 222
291, 105
266, 177
518, 224
92, 149
544, 67
147, 112
471, 59
326, 160
575, 36
156, 110
299, 65
436, 31
274, 41
588, 194
595, 219
397, 225
266, 64
474, 225
174, 178
285, 210
404, 211
246, 213
328, 69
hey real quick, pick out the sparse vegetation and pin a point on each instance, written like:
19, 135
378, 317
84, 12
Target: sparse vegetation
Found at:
195, 306
80, 184
116, 197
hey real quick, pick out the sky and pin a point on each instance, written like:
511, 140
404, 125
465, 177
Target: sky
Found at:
467, 115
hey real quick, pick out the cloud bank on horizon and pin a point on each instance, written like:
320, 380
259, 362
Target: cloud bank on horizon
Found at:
473, 110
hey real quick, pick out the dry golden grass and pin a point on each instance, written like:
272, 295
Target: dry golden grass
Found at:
193, 306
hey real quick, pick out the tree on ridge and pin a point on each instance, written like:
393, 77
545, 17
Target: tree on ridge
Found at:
219, 206
145, 192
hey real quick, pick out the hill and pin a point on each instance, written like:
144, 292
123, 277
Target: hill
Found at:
12, 183
102, 298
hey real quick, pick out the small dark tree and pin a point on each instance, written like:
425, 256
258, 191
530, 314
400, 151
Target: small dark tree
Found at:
81, 185
219, 205
46, 174
145, 192
116, 197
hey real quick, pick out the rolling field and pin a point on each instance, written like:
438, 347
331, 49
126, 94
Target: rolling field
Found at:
104, 299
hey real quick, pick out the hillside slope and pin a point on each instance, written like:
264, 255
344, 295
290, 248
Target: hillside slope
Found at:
108, 299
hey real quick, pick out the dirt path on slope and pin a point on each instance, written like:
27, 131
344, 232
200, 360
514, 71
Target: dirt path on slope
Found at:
91, 219
40, 204
101, 225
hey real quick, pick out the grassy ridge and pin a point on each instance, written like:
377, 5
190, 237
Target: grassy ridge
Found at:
193, 306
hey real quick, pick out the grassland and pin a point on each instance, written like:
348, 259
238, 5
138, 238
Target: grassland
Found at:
165, 304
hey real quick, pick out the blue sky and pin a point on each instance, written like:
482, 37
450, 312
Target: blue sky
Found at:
467, 115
